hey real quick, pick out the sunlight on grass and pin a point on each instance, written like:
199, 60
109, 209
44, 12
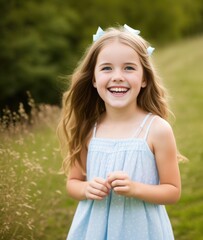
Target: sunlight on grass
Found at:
33, 197
182, 67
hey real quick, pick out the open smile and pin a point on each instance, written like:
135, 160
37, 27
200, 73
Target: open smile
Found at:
118, 90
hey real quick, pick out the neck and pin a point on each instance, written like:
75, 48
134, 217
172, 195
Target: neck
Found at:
119, 123
122, 115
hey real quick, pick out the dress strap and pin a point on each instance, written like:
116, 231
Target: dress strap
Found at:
145, 119
148, 127
94, 130
138, 131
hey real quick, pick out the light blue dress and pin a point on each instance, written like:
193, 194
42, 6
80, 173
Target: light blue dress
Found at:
117, 217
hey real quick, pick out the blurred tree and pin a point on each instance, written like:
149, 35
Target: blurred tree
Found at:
193, 22
37, 44
161, 20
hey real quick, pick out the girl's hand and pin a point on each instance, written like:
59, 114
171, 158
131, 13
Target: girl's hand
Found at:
97, 189
121, 183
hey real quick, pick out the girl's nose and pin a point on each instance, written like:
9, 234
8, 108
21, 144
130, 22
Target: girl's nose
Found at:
117, 75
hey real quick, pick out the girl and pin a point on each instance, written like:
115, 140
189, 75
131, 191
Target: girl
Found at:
121, 155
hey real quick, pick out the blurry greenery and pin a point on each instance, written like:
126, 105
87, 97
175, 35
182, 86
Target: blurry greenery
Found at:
37, 39
41, 40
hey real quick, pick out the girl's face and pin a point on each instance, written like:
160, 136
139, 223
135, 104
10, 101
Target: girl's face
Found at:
118, 75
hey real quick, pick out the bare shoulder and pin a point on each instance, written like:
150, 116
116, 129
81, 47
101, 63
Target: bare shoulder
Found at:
160, 127
160, 134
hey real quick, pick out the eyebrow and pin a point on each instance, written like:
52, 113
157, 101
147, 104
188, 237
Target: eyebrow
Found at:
127, 63
105, 63
131, 63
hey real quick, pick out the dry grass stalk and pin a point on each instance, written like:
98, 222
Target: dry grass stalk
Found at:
20, 168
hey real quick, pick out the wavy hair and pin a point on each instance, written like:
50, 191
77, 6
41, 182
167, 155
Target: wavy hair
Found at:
82, 105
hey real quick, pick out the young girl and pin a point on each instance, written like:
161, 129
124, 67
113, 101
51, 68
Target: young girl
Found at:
121, 156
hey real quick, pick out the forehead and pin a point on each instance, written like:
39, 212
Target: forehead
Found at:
116, 50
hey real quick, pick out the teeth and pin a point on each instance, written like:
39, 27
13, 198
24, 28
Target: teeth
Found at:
118, 89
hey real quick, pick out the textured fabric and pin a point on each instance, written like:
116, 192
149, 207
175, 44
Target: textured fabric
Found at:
118, 217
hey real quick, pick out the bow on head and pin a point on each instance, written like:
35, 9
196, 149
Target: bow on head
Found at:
131, 30
150, 50
100, 33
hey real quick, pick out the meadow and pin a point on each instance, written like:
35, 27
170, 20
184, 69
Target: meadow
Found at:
34, 204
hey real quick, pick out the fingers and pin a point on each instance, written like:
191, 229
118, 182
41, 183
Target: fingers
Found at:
97, 189
117, 177
117, 183
120, 186
120, 183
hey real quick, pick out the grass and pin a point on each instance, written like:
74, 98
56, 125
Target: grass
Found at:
182, 67
33, 200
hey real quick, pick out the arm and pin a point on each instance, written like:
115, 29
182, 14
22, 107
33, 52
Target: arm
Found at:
162, 141
80, 189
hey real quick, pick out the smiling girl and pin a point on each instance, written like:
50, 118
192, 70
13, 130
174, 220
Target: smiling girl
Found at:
121, 155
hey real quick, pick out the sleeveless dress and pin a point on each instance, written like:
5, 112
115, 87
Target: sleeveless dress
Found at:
118, 217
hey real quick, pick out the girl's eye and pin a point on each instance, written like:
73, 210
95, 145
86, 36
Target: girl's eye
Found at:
106, 69
129, 68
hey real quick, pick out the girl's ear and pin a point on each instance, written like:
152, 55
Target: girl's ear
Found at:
144, 83
94, 83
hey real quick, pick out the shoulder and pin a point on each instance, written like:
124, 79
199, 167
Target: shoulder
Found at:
160, 127
161, 133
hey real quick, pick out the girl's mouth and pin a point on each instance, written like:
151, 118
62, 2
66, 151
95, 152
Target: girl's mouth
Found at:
118, 90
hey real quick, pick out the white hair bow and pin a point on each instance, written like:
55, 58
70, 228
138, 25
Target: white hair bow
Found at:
131, 30
100, 33
150, 50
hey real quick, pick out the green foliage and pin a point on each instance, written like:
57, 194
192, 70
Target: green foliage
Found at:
36, 44
41, 40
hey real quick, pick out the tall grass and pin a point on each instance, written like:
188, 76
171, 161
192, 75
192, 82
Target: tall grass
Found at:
31, 189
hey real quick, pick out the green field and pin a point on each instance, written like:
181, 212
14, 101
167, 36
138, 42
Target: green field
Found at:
33, 200
181, 66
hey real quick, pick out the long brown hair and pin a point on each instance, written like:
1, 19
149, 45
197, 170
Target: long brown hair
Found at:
82, 105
